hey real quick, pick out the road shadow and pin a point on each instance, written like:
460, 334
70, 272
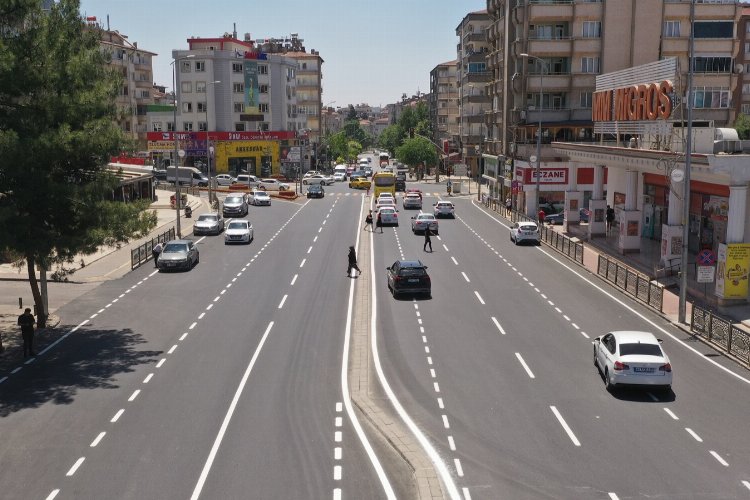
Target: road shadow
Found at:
89, 359
639, 394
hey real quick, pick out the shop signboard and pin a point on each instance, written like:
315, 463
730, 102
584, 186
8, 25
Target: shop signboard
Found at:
732, 270
546, 175
160, 146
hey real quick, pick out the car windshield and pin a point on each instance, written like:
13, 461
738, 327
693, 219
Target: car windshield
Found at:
237, 225
412, 271
641, 349
208, 217
233, 199
175, 248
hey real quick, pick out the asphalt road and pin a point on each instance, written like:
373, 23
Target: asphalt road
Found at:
226, 381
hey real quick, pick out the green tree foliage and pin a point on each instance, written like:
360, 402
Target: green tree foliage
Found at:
355, 132
390, 138
742, 124
354, 148
57, 131
351, 114
416, 151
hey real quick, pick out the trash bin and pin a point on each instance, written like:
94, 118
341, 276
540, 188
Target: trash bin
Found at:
457, 187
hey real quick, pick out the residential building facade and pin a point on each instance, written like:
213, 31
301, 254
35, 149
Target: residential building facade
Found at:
741, 95
444, 114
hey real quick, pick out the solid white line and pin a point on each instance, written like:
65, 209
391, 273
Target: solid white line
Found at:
172, 349
302, 263
3, 379
481, 301
692, 433
228, 416
148, 378
451, 443
497, 324
161, 362
454, 260
294, 280
525, 366
337, 473
459, 469
283, 299
467, 495
671, 414
719, 459
565, 426
97, 439
117, 415
75, 466
193, 325
134, 395
465, 277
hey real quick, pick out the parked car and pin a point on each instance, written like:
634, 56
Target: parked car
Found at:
412, 200
238, 231
388, 215
310, 173
247, 180
444, 209
339, 176
258, 198
318, 179
235, 205
208, 224
315, 191
178, 254
409, 276
632, 358
525, 231
224, 180
360, 183
555, 219
272, 185
160, 174
422, 221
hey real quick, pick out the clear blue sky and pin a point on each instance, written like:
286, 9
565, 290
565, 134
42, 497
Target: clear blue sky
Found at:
374, 50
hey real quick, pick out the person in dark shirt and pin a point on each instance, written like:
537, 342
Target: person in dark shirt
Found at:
352, 262
26, 322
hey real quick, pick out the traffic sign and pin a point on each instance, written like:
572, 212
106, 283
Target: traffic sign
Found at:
705, 274
706, 257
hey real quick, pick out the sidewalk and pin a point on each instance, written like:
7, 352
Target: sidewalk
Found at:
107, 263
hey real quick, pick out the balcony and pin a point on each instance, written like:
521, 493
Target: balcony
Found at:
588, 45
550, 47
476, 77
551, 9
549, 82
474, 37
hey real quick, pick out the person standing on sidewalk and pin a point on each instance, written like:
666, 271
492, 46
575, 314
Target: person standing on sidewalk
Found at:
541, 215
610, 218
508, 205
352, 262
26, 322
427, 240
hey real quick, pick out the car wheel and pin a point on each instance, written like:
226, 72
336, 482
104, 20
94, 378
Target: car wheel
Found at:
596, 362
607, 381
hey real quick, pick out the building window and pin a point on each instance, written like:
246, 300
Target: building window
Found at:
236, 67
187, 107
554, 100
170, 126
711, 97
200, 87
671, 29
477, 67
264, 127
200, 66
592, 29
589, 65
714, 29
238, 87
586, 100
262, 69
202, 126
747, 47
187, 87
712, 64
551, 66
202, 108
145, 94
156, 126
187, 126
239, 107
263, 107
746, 109
239, 127
125, 90
746, 88
263, 89
185, 67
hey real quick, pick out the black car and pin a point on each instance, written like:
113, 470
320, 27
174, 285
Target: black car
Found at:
409, 276
555, 219
315, 191
400, 183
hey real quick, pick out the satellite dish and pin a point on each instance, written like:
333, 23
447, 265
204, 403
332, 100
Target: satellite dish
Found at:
739, 68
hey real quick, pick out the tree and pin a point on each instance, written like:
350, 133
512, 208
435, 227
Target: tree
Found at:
742, 124
57, 132
390, 138
354, 148
354, 131
351, 114
416, 151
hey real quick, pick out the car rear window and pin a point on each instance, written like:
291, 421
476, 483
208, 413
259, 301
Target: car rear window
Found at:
208, 217
412, 271
642, 349
175, 247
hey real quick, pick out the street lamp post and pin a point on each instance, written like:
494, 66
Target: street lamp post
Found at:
208, 146
539, 133
177, 194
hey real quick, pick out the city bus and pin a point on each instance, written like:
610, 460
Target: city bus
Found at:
385, 182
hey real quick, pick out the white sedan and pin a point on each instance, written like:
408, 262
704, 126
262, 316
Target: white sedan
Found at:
258, 198
422, 221
388, 215
339, 176
225, 180
238, 231
318, 179
525, 231
272, 185
632, 358
444, 209
385, 202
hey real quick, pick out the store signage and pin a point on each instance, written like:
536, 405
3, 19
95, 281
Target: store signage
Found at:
642, 102
223, 136
546, 175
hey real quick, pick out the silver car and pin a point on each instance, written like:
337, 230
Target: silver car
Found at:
235, 206
208, 224
178, 254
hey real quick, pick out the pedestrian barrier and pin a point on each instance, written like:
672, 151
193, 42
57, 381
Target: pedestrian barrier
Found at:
143, 253
560, 242
636, 284
721, 333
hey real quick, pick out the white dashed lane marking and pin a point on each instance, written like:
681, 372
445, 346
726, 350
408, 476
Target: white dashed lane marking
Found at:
97, 439
75, 467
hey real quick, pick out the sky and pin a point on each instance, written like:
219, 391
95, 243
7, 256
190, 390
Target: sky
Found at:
373, 50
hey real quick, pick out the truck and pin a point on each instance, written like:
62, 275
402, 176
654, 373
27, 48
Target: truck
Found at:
186, 175
384, 159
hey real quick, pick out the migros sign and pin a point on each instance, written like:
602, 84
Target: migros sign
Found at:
642, 102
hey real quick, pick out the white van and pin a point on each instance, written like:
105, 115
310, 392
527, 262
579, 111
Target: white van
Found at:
339, 168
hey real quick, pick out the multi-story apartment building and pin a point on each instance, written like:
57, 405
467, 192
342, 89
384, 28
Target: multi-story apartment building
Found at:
741, 95
473, 79
545, 57
444, 114
136, 93
309, 91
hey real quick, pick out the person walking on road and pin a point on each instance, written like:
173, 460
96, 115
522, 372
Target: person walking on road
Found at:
352, 263
368, 221
26, 322
427, 240
379, 223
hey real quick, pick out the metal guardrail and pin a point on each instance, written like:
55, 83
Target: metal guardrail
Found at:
636, 284
169, 186
143, 253
560, 242
721, 333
